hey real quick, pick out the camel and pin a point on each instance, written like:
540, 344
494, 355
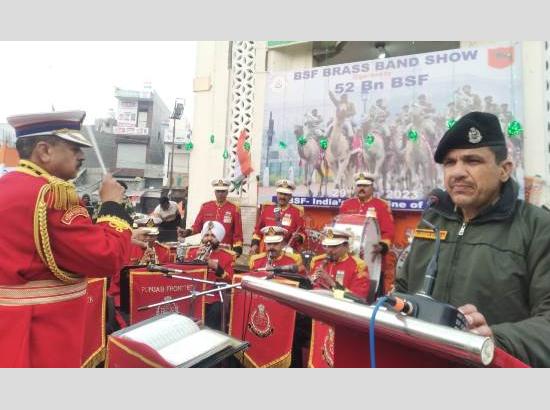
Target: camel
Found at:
338, 156
375, 153
420, 167
313, 159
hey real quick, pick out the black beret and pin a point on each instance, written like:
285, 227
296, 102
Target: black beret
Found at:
474, 130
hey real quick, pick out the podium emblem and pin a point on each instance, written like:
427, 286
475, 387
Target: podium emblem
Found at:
168, 308
260, 322
328, 347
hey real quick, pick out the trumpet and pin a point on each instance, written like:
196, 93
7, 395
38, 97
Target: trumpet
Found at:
269, 263
204, 252
149, 256
322, 276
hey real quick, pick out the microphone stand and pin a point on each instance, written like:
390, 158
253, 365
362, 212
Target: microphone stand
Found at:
217, 288
422, 305
194, 295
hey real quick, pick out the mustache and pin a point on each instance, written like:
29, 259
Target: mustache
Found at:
452, 184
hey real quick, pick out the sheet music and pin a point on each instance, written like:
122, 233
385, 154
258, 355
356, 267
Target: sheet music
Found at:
194, 348
163, 332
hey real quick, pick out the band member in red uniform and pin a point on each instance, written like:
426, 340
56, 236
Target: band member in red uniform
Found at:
50, 244
142, 252
283, 214
274, 255
338, 268
220, 267
225, 212
360, 204
149, 250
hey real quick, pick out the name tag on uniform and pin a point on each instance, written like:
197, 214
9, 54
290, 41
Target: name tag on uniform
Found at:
340, 276
287, 220
429, 234
227, 218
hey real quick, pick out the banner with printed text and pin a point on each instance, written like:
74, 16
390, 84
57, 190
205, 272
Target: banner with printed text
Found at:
385, 116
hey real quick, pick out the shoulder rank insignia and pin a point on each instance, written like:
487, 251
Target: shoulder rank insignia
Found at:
74, 211
429, 234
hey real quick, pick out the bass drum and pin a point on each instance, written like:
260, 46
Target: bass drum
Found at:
365, 233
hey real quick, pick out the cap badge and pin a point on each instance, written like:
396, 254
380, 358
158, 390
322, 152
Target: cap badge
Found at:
284, 184
150, 223
330, 234
271, 231
474, 136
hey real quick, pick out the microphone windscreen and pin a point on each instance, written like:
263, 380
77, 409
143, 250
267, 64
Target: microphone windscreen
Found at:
435, 196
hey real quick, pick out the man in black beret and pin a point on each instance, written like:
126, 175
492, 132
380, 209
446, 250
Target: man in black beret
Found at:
495, 261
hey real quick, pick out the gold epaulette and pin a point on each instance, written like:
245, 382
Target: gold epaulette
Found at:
254, 258
118, 224
296, 256
62, 194
360, 266
230, 252
317, 258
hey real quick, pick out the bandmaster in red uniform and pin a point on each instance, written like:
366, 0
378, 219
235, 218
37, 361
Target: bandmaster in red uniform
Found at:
225, 212
50, 245
283, 214
220, 266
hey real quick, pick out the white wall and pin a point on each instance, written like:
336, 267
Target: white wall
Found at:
211, 87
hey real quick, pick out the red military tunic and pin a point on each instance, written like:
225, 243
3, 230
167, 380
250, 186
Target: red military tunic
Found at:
350, 271
260, 261
136, 253
228, 214
225, 258
291, 218
47, 254
383, 214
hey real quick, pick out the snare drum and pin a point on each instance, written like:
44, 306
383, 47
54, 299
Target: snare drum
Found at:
365, 233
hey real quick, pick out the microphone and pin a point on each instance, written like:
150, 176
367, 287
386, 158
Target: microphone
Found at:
431, 269
158, 268
280, 269
435, 196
